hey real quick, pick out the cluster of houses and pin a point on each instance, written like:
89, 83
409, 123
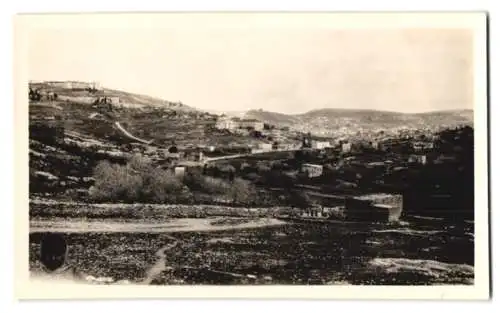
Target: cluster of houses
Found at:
237, 123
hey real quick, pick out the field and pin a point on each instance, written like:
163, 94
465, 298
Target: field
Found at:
259, 250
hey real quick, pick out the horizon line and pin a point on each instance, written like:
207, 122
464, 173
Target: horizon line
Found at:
251, 109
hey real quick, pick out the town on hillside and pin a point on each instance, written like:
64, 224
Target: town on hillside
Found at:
106, 155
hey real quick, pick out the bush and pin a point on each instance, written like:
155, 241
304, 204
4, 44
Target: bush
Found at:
242, 192
162, 187
215, 185
136, 181
297, 199
239, 191
140, 181
50, 133
115, 182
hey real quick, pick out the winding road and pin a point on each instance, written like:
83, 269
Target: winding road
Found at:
242, 155
129, 135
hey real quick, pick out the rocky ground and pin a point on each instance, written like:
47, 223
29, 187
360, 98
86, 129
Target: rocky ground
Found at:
415, 254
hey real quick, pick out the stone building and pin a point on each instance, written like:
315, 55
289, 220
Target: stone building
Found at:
312, 170
320, 144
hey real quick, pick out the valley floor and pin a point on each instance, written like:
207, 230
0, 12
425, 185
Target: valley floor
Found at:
254, 250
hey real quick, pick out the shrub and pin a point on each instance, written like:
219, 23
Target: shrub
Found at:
215, 185
242, 192
50, 133
138, 180
206, 184
298, 199
161, 186
262, 167
115, 182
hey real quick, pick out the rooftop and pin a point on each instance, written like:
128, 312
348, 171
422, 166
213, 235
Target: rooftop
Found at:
313, 165
188, 163
383, 206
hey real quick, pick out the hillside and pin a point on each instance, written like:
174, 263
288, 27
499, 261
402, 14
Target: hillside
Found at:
71, 132
143, 116
127, 99
331, 121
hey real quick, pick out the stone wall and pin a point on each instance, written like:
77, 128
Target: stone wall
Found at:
376, 207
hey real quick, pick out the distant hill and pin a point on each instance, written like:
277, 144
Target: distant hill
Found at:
170, 119
326, 121
142, 116
144, 100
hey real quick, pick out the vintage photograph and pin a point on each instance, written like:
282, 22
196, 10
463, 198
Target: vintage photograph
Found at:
184, 151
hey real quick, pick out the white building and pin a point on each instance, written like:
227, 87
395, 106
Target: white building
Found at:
321, 144
265, 146
419, 146
235, 123
312, 170
251, 123
180, 171
422, 159
73, 84
346, 147
227, 123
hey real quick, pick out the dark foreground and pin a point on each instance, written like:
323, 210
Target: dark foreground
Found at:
420, 252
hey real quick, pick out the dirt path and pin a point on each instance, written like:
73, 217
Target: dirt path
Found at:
129, 135
161, 262
173, 225
161, 265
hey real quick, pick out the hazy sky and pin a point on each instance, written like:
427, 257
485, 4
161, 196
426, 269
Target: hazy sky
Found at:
276, 69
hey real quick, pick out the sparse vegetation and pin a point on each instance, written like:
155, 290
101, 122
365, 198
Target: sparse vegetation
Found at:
140, 181
137, 181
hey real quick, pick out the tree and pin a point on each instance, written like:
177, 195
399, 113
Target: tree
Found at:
242, 192
34, 95
298, 199
138, 180
299, 157
255, 134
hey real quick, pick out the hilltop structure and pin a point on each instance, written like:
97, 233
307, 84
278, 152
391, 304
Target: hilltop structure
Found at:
73, 84
235, 123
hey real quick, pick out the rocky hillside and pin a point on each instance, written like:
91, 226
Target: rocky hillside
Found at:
126, 99
145, 117
327, 121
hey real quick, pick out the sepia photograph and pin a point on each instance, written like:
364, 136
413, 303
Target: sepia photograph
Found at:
255, 150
